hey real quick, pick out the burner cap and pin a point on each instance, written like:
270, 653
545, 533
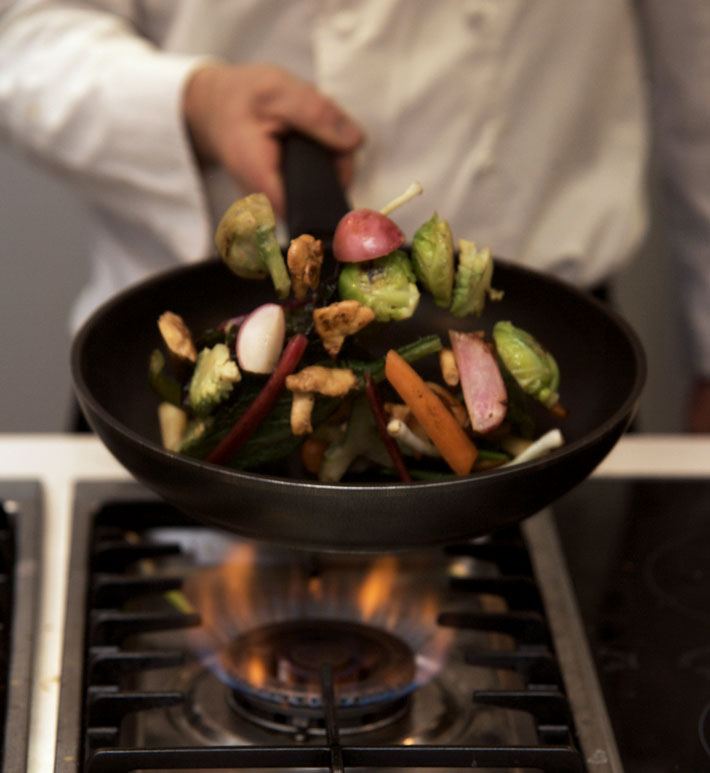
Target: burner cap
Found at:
276, 673
284, 662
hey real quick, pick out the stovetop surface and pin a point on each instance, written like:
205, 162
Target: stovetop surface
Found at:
496, 700
639, 557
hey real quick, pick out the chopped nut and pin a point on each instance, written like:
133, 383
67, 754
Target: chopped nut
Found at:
449, 370
177, 336
304, 259
331, 382
338, 320
301, 411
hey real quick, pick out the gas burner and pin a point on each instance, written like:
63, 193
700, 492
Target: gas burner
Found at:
438, 711
277, 675
283, 662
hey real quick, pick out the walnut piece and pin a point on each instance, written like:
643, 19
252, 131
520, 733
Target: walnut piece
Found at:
331, 382
301, 412
177, 336
304, 259
338, 320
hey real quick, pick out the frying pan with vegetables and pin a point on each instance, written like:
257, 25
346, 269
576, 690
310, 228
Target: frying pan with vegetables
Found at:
600, 359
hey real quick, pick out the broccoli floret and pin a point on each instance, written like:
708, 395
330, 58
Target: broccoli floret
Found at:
214, 377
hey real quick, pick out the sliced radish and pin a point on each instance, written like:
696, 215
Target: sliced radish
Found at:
261, 338
365, 234
483, 388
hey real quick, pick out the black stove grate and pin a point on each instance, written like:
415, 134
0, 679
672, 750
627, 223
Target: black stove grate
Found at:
108, 543
20, 529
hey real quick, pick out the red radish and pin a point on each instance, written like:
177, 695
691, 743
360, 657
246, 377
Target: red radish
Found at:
483, 388
365, 234
261, 339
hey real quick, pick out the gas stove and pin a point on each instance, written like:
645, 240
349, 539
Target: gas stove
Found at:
170, 646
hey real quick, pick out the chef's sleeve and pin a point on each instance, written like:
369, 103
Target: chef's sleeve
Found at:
677, 35
81, 91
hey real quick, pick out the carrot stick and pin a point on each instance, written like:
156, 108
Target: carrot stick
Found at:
452, 442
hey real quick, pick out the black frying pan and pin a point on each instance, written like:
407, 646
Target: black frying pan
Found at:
601, 362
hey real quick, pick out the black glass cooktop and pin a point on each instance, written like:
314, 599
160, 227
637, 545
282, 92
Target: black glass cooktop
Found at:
639, 557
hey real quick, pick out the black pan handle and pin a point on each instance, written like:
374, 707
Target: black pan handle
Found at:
315, 200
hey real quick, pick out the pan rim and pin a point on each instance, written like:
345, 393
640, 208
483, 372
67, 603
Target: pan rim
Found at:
621, 415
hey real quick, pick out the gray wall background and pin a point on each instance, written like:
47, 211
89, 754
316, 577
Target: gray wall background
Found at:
43, 262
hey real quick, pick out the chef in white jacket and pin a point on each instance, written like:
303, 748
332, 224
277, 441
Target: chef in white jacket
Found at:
528, 123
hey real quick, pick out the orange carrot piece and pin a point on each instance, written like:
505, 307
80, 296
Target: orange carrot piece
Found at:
452, 442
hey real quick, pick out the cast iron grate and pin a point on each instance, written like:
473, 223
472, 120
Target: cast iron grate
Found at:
108, 543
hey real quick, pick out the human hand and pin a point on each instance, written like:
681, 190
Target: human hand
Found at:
236, 114
699, 406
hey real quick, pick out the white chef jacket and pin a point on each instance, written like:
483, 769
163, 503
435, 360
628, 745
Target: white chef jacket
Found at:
527, 121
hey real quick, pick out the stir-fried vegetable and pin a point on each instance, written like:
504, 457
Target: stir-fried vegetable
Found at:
246, 240
387, 286
433, 259
472, 283
213, 380
248, 422
247, 401
454, 445
533, 368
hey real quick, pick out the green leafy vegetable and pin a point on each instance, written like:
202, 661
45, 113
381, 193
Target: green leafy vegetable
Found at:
532, 366
473, 280
433, 259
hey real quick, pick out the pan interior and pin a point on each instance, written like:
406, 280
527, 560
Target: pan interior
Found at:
599, 361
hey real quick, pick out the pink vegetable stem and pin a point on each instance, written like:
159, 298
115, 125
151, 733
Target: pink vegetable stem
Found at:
259, 409
390, 444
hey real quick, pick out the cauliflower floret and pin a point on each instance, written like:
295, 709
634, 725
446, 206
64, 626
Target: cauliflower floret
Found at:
214, 377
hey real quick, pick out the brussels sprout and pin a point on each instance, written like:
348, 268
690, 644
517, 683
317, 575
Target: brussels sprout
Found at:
246, 240
532, 367
473, 280
433, 259
387, 285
